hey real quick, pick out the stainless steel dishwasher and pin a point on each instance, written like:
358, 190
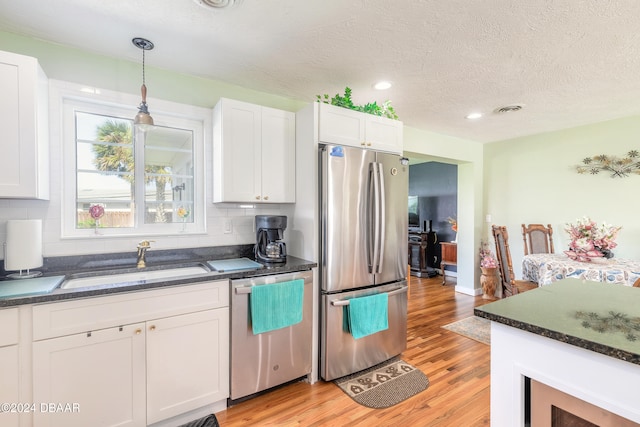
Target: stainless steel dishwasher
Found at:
259, 362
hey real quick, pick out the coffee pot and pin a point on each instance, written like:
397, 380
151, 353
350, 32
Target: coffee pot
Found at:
273, 250
269, 247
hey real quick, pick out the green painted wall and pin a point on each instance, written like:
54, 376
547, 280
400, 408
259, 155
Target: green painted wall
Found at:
533, 180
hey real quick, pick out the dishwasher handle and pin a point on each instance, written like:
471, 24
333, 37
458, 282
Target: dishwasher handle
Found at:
343, 302
243, 290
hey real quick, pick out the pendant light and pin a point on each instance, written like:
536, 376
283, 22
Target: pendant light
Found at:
143, 117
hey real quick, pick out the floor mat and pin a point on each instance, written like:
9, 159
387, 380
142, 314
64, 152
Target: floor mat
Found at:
474, 327
384, 385
208, 421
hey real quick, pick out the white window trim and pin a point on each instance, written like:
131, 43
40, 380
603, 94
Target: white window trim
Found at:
65, 97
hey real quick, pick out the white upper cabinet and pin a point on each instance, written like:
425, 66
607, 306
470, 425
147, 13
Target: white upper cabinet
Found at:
253, 153
337, 125
24, 169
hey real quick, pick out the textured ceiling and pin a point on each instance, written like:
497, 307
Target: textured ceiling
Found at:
569, 63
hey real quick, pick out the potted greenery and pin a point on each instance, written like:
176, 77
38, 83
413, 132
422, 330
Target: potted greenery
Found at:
345, 101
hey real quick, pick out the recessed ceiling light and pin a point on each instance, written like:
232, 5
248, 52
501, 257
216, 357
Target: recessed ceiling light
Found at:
382, 85
473, 116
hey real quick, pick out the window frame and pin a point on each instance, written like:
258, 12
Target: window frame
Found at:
67, 98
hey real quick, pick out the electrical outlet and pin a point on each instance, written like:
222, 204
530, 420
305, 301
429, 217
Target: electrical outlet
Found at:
488, 218
228, 226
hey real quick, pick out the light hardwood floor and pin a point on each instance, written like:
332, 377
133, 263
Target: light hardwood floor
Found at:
457, 368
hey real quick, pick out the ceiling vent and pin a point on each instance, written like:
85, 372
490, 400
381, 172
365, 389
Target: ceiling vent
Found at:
508, 109
218, 4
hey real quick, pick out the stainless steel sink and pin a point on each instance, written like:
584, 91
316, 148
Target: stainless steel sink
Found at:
137, 276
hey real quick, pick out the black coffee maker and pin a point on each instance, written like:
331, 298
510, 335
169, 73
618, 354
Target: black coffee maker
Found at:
269, 247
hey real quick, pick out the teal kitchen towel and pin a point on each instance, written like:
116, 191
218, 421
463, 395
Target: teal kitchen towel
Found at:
368, 315
276, 305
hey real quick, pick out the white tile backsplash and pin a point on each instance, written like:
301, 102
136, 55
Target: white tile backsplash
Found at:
53, 245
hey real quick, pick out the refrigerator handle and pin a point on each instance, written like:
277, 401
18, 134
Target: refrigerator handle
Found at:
375, 229
383, 219
369, 219
344, 302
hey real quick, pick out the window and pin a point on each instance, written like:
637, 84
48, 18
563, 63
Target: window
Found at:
121, 179
105, 177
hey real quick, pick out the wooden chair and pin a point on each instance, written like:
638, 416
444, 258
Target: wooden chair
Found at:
636, 284
537, 239
510, 286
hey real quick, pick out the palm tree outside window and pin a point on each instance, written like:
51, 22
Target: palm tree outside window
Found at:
106, 172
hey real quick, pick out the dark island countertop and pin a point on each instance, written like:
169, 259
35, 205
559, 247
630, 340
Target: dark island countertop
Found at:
88, 266
601, 317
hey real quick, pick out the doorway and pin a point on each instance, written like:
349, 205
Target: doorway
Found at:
433, 199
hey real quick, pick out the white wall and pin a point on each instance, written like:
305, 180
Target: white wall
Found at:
533, 180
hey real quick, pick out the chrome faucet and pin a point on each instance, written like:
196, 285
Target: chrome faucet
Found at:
142, 251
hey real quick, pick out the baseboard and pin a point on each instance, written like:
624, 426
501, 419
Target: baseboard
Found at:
192, 415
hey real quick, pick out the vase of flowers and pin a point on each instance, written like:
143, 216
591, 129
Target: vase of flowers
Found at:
489, 278
183, 214
96, 211
454, 226
590, 241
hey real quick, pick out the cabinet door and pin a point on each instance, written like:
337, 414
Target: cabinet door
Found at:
237, 156
24, 169
278, 156
9, 365
98, 377
340, 126
187, 362
10, 380
383, 134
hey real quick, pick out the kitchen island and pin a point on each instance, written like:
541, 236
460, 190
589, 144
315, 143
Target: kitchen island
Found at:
577, 337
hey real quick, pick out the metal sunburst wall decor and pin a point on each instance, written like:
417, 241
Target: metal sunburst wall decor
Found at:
617, 166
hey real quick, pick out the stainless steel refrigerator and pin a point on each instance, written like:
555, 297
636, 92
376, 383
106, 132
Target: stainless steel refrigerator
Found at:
364, 232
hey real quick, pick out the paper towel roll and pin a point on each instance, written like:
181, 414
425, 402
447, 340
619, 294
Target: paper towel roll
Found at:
24, 244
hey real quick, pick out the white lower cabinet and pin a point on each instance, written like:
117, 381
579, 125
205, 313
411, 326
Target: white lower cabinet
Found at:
10, 388
9, 367
183, 351
173, 361
91, 379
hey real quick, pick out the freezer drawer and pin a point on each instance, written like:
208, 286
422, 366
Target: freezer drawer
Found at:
262, 361
341, 354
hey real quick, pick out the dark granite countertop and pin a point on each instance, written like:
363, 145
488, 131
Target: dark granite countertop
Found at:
596, 316
95, 265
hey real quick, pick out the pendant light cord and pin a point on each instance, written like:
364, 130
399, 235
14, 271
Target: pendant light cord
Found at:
143, 116
143, 81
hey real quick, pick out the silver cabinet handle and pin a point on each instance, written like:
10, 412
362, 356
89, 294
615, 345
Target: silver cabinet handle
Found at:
343, 302
243, 290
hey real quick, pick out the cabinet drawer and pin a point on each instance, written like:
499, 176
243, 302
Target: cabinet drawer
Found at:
70, 317
9, 326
